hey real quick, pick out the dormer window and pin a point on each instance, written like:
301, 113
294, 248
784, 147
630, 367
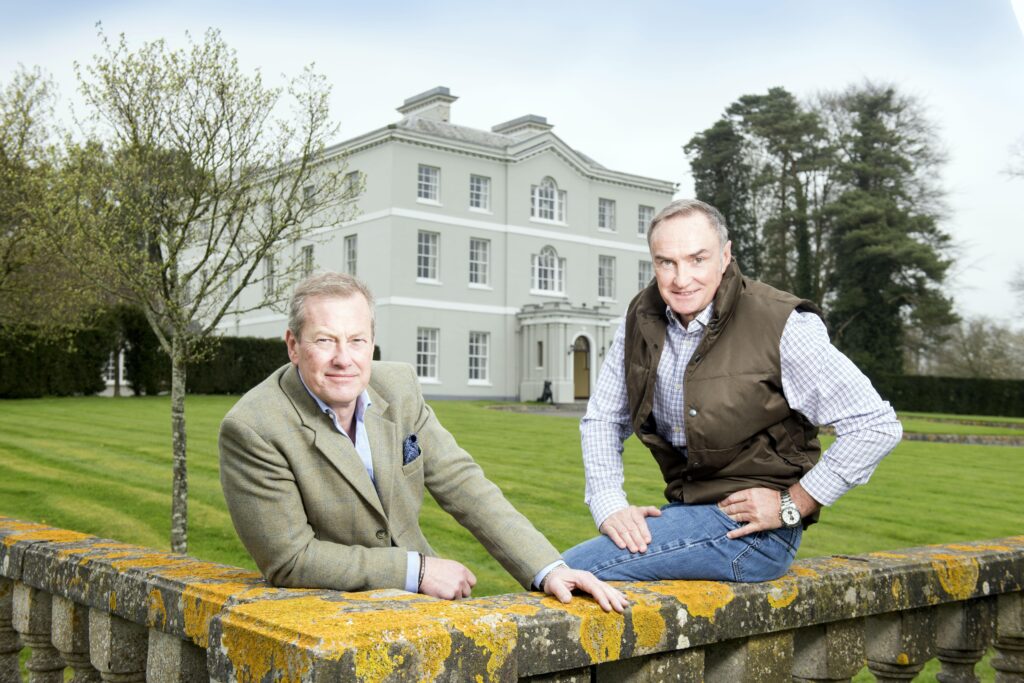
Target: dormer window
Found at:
547, 202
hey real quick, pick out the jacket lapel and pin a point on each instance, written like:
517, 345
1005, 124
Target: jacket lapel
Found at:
384, 446
332, 445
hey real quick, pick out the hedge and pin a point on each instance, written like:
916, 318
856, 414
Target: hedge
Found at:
32, 366
956, 395
235, 364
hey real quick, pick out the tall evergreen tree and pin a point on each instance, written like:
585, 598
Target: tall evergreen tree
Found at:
722, 177
789, 143
889, 249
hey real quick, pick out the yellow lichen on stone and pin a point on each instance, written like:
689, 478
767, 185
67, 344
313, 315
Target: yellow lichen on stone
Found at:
497, 633
896, 589
600, 631
201, 602
979, 548
783, 591
648, 624
112, 601
701, 598
46, 534
156, 613
902, 659
957, 574
259, 636
888, 556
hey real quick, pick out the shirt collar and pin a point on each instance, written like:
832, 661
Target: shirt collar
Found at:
362, 403
704, 317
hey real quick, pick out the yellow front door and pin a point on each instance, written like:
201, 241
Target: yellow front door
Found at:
581, 368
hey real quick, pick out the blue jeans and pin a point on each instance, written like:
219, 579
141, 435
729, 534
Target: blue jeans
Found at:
689, 542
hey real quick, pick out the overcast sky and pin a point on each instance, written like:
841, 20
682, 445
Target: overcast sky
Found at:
626, 83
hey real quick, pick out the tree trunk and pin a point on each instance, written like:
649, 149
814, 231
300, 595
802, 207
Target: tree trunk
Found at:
179, 488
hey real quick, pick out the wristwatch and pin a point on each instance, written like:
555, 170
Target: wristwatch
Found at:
788, 512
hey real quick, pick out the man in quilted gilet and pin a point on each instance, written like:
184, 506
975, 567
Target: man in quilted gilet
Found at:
725, 380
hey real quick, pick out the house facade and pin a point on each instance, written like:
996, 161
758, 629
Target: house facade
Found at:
500, 259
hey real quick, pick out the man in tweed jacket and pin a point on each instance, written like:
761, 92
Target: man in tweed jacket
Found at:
323, 466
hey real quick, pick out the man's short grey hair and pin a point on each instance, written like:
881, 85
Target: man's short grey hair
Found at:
329, 284
685, 207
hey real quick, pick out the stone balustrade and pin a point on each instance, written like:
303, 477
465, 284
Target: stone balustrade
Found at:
118, 612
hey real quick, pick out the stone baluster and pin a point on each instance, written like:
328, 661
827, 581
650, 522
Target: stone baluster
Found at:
1009, 645
766, 658
962, 634
10, 644
681, 666
117, 647
71, 638
828, 652
173, 660
899, 643
32, 620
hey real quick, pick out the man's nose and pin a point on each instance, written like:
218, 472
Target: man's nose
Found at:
682, 275
342, 356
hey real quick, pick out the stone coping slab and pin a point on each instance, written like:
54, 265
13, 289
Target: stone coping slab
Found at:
252, 630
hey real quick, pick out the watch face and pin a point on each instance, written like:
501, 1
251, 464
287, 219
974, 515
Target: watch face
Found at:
790, 517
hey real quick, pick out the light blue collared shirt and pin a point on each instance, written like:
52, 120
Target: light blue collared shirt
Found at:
362, 444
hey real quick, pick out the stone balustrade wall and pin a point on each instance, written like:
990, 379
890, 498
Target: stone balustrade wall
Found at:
118, 612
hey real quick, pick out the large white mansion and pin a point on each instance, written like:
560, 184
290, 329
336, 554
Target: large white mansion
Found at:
499, 259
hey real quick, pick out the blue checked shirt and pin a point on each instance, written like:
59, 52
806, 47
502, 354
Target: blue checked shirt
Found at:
817, 380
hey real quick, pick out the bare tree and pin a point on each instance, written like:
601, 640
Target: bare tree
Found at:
193, 194
981, 348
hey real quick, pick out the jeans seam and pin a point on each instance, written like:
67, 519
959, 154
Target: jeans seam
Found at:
651, 552
755, 540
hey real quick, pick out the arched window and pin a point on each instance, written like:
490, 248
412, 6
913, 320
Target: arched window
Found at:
548, 271
547, 202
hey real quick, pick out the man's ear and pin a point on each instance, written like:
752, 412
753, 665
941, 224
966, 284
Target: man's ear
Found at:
293, 346
726, 255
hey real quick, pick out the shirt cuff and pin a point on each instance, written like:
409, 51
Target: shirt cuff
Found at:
412, 572
538, 580
824, 485
603, 505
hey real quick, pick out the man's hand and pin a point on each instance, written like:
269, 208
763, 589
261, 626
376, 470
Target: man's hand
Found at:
562, 580
758, 508
628, 527
446, 579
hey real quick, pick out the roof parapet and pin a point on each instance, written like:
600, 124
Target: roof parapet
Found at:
524, 126
433, 104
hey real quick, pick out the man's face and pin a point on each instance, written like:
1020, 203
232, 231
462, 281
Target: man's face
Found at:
688, 263
335, 349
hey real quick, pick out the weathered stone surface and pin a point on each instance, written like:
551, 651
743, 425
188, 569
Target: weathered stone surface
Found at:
766, 658
828, 652
117, 648
899, 643
682, 666
71, 637
964, 631
573, 676
10, 644
32, 619
173, 660
252, 630
1009, 645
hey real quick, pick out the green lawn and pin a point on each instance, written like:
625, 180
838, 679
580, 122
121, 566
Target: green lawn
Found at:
102, 466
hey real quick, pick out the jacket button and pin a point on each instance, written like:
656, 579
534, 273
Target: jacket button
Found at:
381, 534
693, 412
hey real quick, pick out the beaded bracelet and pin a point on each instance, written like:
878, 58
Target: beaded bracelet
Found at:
423, 568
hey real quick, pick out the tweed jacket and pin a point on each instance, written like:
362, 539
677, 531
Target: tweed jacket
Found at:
308, 512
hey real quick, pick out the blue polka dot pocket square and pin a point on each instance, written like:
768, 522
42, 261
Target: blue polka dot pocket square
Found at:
410, 449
